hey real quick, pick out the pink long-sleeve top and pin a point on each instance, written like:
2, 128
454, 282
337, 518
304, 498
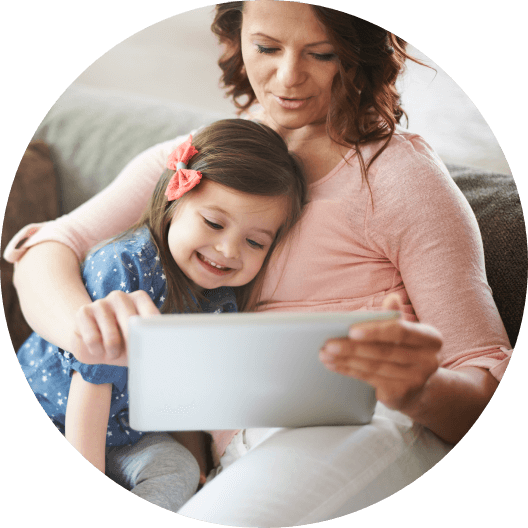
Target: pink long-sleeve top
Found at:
409, 231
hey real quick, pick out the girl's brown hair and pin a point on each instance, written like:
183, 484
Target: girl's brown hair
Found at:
245, 156
365, 104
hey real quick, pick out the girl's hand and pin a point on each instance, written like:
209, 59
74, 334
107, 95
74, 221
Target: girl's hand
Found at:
101, 327
396, 357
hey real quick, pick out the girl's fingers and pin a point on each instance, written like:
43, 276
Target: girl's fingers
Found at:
102, 326
100, 332
128, 305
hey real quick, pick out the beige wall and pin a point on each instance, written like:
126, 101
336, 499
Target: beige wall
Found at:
176, 59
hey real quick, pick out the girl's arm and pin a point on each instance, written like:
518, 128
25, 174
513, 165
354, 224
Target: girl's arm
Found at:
87, 416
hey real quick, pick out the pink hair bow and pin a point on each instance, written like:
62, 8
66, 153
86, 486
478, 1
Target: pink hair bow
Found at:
183, 179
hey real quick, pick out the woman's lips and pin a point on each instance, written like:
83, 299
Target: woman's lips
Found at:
290, 104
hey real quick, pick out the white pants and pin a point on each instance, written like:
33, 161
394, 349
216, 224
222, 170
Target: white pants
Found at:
291, 477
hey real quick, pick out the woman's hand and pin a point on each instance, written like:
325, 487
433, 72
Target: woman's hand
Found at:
101, 327
396, 357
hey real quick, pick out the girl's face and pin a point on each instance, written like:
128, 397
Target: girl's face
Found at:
220, 237
289, 61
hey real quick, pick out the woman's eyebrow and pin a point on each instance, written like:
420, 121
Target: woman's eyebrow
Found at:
312, 44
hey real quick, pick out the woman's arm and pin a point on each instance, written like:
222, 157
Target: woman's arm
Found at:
87, 415
436, 371
47, 273
50, 290
400, 360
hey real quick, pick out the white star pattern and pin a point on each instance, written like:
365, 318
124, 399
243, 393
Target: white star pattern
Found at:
107, 276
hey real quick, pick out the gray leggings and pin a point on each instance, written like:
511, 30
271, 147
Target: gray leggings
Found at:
157, 469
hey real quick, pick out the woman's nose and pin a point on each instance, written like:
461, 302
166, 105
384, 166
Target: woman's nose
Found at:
290, 70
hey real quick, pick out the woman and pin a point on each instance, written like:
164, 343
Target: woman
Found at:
325, 82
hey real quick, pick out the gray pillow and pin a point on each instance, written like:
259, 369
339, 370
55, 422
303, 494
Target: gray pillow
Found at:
495, 200
94, 133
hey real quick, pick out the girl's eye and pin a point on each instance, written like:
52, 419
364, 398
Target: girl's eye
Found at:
212, 224
254, 244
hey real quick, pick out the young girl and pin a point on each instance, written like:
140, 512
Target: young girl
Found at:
225, 202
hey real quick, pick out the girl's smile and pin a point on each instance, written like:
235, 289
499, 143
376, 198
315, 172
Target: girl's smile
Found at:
212, 266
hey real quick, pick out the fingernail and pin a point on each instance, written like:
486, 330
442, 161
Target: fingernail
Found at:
332, 348
356, 333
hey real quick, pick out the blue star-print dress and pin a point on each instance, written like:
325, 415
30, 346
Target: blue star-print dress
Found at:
127, 265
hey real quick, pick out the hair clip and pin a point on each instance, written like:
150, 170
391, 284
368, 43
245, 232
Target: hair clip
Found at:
184, 179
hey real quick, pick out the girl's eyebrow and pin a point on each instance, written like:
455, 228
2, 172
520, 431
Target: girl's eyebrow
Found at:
312, 44
257, 229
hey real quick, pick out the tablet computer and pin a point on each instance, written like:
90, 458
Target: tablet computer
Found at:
233, 371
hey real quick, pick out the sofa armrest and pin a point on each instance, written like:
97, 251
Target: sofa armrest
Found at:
495, 201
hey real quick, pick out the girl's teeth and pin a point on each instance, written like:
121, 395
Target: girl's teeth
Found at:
214, 264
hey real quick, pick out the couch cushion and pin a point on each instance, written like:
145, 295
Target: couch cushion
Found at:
495, 200
93, 134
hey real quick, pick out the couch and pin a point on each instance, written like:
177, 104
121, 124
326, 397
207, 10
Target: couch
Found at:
89, 135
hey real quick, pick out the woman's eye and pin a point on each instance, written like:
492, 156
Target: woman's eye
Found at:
324, 57
263, 49
212, 224
254, 244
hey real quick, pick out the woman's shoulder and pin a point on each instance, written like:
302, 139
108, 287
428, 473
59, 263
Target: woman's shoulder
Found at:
407, 160
410, 149
410, 184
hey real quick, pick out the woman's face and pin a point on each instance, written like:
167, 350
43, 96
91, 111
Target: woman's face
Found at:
289, 61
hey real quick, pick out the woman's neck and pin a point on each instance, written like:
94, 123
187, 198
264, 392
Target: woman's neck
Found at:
318, 153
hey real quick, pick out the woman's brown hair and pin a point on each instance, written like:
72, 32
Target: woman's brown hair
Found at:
245, 156
365, 104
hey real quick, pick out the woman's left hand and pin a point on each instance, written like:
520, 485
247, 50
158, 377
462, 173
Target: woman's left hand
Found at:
396, 357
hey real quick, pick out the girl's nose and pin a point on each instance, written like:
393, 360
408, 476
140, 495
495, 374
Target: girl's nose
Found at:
228, 247
290, 71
